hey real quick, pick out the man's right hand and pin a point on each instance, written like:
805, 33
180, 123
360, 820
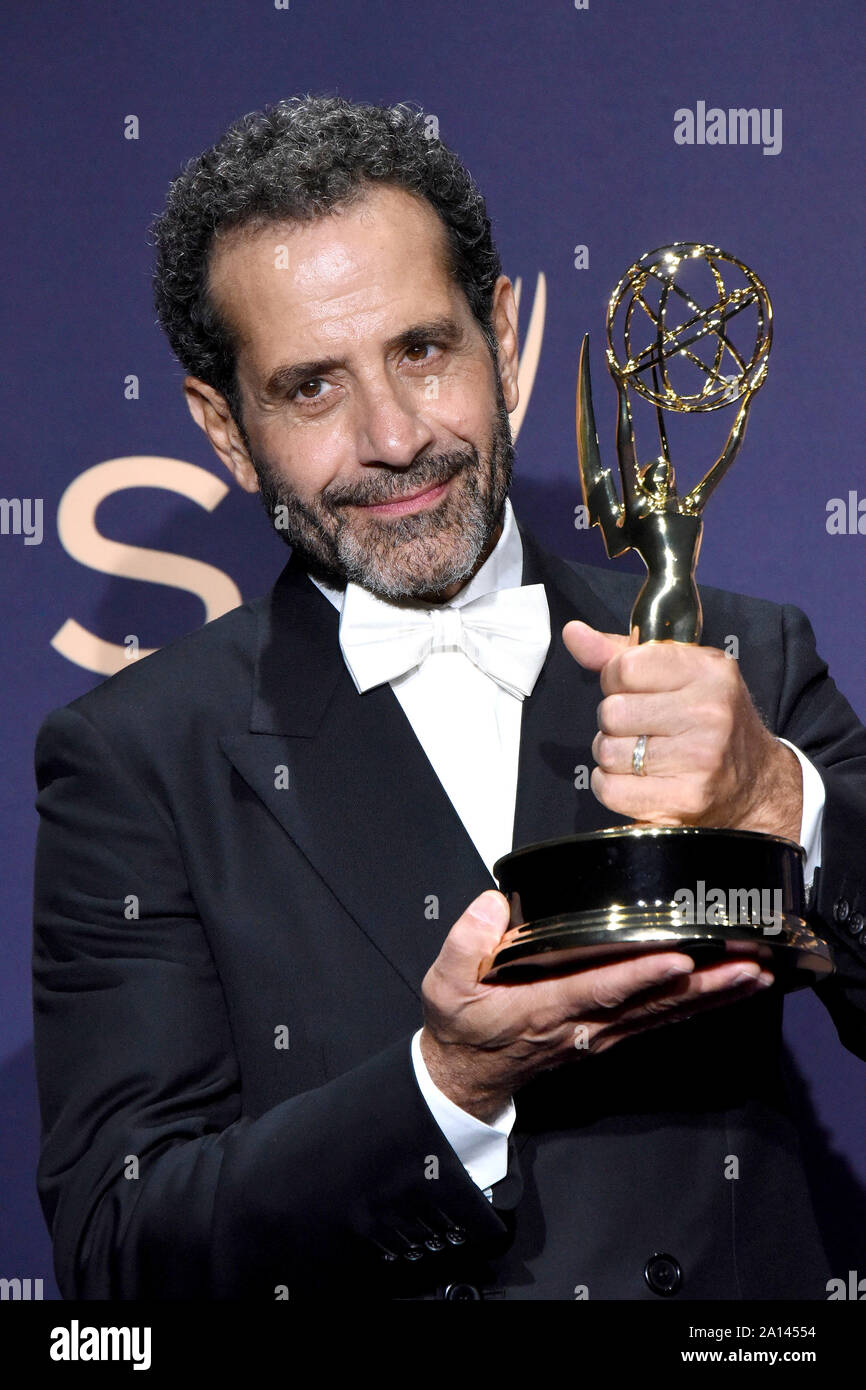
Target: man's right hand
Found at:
480, 1043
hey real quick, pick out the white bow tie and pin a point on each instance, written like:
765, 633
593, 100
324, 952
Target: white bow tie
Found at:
505, 633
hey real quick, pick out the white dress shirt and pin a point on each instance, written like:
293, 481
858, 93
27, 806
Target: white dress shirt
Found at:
469, 727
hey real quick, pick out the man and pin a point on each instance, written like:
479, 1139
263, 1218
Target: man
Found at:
264, 884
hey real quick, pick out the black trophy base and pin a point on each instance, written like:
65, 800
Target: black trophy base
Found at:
592, 899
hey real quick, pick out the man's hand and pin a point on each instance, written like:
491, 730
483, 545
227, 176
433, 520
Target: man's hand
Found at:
709, 758
480, 1043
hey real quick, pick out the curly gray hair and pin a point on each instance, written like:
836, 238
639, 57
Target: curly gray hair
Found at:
297, 160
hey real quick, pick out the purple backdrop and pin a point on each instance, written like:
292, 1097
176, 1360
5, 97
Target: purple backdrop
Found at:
566, 116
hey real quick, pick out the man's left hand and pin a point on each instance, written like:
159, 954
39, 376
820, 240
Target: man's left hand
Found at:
709, 758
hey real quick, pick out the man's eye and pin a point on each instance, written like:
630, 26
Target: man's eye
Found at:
309, 395
419, 348
313, 390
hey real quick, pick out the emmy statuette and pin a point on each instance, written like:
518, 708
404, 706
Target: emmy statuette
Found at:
608, 894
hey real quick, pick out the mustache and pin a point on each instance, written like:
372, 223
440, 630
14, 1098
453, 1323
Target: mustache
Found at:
423, 476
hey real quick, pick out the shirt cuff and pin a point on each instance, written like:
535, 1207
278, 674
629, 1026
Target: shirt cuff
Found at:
482, 1148
813, 813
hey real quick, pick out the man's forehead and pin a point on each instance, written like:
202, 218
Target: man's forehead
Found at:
383, 230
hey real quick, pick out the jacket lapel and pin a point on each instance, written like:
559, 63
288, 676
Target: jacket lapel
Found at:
359, 796
363, 803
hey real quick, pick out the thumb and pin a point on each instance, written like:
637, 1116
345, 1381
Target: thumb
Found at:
476, 933
590, 648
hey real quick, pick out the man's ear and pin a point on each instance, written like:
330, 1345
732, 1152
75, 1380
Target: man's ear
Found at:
504, 318
211, 413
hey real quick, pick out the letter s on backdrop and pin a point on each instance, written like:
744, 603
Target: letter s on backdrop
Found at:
76, 526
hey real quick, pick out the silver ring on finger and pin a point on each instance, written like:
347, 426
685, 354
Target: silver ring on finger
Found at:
638, 757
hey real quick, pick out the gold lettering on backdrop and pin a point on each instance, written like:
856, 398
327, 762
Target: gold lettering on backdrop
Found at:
76, 526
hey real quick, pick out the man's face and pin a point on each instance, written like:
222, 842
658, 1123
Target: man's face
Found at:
374, 415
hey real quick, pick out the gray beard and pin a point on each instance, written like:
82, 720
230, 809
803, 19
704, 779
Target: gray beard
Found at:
398, 557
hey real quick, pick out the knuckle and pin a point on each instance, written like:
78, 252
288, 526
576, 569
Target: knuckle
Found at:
601, 996
692, 799
657, 1008
706, 757
709, 715
606, 753
712, 658
604, 787
598, 781
630, 663
610, 714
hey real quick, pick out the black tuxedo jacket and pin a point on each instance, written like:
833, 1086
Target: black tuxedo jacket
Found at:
235, 869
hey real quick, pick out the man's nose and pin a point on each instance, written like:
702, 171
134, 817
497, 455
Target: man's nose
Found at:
391, 427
